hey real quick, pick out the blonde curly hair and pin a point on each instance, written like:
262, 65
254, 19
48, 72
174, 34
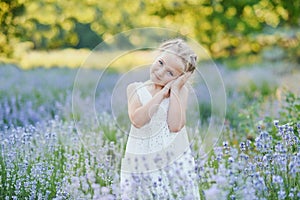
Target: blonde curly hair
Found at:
180, 48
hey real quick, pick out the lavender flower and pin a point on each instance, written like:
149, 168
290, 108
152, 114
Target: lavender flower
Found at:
243, 146
276, 123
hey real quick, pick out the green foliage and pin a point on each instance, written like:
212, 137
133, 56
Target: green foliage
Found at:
225, 28
291, 110
10, 11
247, 112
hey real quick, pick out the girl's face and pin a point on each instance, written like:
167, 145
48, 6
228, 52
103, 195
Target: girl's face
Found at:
166, 68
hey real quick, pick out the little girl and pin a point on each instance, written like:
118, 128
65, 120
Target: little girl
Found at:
158, 163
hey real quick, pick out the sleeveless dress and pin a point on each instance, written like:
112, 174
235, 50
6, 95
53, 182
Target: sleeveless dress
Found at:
157, 164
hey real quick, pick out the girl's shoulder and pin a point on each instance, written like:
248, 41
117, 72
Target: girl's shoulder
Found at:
136, 84
132, 87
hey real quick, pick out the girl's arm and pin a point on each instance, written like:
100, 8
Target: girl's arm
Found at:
178, 103
139, 114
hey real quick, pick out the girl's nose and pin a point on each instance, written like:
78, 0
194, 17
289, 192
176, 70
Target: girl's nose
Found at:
160, 72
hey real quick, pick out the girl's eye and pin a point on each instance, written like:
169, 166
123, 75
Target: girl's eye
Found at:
170, 73
160, 62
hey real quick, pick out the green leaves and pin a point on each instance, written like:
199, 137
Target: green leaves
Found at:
225, 28
9, 12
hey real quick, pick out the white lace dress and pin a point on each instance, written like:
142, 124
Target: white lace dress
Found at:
158, 164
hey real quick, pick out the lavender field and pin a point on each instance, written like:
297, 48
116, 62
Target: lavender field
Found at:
48, 152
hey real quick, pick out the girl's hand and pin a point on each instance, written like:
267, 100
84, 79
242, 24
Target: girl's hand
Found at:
166, 89
180, 81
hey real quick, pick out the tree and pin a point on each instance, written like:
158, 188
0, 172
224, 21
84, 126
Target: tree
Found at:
224, 27
10, 10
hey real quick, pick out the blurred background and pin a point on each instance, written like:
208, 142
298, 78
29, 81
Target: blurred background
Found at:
47, 33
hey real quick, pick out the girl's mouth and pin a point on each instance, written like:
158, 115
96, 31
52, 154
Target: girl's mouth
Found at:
157, 77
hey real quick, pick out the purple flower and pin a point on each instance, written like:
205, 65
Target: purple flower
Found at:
259, 128
243, 146
276, 123
225, 144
